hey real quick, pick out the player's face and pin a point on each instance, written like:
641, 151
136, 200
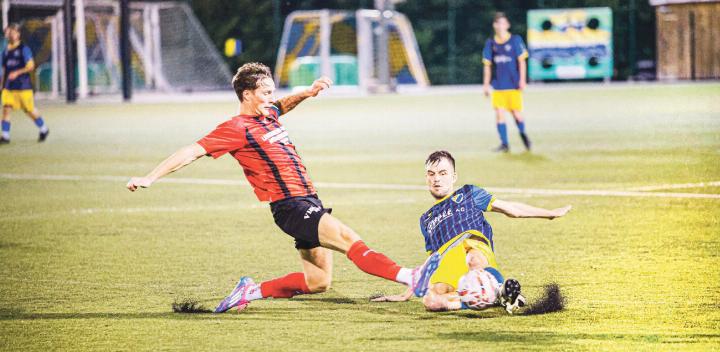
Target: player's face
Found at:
260, 100
501, 26
12, 35
440, 177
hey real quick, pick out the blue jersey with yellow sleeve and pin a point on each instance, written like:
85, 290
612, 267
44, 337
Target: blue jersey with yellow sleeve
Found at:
504, 56
15, 58
460, 212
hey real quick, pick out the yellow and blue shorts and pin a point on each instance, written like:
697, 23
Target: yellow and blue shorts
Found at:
454, 265
507, 99
19, 99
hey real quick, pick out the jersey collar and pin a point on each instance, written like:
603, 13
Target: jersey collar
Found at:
502, 40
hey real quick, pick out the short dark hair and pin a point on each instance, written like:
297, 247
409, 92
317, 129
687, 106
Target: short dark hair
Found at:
438, 155
248, 76
13, 26
499, 15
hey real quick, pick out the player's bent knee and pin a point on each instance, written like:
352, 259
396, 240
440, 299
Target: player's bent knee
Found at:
433, 304
319, 285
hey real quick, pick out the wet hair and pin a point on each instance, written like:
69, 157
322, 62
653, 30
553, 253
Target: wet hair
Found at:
499, 15
248, 76
438, 155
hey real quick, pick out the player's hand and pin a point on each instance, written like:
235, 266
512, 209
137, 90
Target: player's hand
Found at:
392, 298
319, 84
522, 85
560, 212
486, 90
138, 182
13, 75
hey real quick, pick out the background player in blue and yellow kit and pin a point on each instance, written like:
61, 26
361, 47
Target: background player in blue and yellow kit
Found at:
17, 93
455, 214
506, 69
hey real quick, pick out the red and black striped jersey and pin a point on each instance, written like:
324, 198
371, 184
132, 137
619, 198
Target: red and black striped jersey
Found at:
262, 147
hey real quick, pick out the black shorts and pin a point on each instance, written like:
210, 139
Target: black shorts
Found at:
299, 217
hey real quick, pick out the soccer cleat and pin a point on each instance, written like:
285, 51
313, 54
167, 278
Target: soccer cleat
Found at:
526, 141
237, 296
503, 148
43, 135
421, 275
510, 296
4, 141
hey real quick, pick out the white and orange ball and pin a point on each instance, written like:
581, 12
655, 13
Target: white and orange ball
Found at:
478, 289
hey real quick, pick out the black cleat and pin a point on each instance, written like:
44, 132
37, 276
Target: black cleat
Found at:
43, 136
503, 148
510, 296
526, 141
4, 141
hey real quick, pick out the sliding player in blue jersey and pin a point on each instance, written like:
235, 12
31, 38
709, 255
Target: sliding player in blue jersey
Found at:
505, 68
17, 92
456, 227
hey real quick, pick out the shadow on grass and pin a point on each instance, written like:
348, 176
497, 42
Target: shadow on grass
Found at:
525, 157
545, 338
334, 300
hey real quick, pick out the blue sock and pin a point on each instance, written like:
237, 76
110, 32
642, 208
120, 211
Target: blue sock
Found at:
521, 126
40, 123
502, 131
6, 129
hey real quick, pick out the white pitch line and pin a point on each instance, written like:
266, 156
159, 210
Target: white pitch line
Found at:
676, 186
382, 186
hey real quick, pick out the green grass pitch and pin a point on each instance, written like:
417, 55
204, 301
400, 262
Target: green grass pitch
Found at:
87, 265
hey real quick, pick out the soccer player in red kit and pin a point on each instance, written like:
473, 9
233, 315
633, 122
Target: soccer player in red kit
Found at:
261, 145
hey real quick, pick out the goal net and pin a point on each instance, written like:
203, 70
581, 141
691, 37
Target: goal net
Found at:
345, 46
170, 50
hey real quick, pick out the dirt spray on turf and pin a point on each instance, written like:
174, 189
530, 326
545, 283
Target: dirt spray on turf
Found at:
552, 300
189, 305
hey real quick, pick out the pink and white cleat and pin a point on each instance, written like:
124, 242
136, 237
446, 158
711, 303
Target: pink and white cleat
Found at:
238, 296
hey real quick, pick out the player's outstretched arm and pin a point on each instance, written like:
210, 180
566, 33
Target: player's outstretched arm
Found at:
522, 210
487, 75
289, 102
183, 157
395, 298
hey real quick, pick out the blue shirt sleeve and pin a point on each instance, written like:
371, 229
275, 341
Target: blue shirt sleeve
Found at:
487, 53
27, 54
519, 47
482, 199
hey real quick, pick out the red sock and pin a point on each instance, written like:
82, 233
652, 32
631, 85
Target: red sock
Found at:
372, 262
285, 287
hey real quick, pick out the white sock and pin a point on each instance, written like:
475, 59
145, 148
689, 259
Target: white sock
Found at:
43, 129
404, 276
254, 293
6, 135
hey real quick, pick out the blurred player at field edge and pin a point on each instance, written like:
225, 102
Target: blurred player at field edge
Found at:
262, 147
17, 93
457, 213
505, 69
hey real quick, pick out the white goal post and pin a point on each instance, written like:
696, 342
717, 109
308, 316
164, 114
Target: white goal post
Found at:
343, 45
170, 50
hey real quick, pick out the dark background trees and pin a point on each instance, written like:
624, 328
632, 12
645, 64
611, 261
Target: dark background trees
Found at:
259, 25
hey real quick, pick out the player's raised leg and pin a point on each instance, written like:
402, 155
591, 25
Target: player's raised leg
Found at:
520, 121
502, 130
335, 235
315, 278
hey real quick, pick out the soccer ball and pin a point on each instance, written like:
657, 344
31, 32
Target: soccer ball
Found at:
478, 289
